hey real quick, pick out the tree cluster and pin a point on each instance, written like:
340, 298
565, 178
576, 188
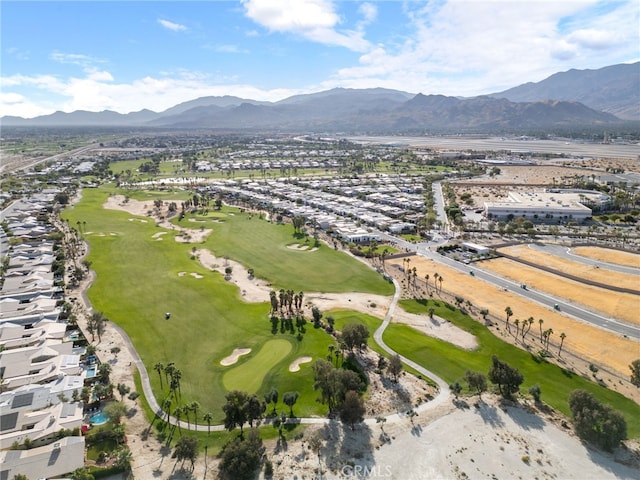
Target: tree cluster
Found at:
340, 390
596, 422
355, 335
241, 408
241, 458
507, 378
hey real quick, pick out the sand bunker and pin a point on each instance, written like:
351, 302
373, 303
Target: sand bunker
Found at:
235, 355
297, 246
142, 220
295, 365
158, 236
196, 275
182, 274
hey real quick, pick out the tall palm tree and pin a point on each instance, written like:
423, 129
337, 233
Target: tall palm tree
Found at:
186, 409
549, 333
208, 417
168, 371
176, 376
540, 322
562, 337
159, 367
177, 413
516, 322
440, 280
166, 406
426, 281
195, 406
509, 313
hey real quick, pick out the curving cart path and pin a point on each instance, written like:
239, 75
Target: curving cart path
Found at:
443, 393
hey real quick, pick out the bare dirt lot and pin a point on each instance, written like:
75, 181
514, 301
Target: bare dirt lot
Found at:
610, 256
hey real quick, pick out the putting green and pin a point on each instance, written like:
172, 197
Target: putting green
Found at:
249, 375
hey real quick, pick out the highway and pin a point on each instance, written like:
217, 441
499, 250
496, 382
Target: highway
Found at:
567, 308
428, 250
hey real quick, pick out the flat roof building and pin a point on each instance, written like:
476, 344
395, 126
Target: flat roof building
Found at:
544, 206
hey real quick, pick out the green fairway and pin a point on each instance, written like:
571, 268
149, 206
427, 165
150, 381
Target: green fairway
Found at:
451, 362
141, 276
266, 247
249, 375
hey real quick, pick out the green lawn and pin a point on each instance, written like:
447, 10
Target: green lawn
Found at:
243, 376
265, 247
138, 281
451, 362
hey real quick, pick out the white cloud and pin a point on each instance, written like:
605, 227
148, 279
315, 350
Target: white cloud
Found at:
369, 11
468, 48
74, 59
595, 39
97, 91
314, 20
226, 48
174, 27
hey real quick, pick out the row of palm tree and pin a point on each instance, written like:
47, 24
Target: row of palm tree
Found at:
285, 299
172, 376
523, 327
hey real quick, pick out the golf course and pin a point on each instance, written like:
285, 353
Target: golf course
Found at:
141, 277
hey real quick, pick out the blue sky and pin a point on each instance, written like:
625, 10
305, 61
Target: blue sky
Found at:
126, 56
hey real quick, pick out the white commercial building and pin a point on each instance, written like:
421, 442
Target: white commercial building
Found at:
547, 206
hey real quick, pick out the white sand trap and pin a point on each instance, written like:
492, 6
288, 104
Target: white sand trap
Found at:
113, 234
195, 220
196, 275
142, 220
295, 365
158, 235
235, 355
182, 274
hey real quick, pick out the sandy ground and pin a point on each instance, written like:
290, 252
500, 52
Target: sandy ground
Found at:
477, 439
295, 365
578, 269
235, 355
451, 442
609, 256
613, 304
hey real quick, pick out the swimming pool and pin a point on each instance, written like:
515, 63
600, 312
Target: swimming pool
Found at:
91, 372
99, 418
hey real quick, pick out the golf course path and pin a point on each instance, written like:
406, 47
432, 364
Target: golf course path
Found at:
443, 388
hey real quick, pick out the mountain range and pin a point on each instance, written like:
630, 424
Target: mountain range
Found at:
607, 96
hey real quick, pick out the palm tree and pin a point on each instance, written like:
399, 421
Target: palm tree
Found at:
426, 281
509, 313
528, 323
177, 412
540, 322
195, 406
516, 322
207, 417
168, 371
562, 337
440, 280
166, 406
176, 376
549, 333
186, 409
159, 367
